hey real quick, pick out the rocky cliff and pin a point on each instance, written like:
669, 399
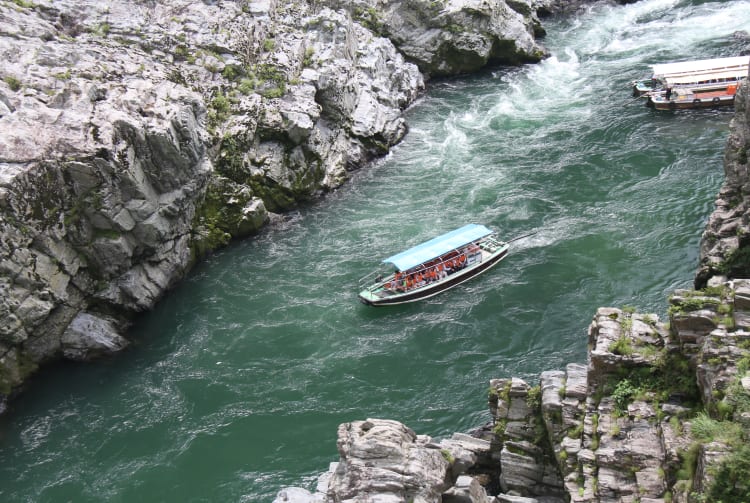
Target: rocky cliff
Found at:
136, 136
659, 413
725, 244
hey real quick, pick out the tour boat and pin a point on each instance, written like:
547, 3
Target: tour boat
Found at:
700, 74
681, 98
434, 266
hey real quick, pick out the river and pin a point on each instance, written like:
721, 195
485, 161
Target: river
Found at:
237, 381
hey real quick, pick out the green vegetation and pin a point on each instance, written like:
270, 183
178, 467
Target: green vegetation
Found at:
13, 83
25, 4
272, 81
66, 75
668, 376
730, 482
218, 110
576, 432
102, 29
370, 19
694, 302
615, 430
742, 155
499, 429
181, 52
622, 346
736, 264
715, 425
448, 456
534, 398
231, 72
624, 393
247, 86
307, 60
705, 429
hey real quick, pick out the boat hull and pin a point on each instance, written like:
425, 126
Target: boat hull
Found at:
367, 297
716, 101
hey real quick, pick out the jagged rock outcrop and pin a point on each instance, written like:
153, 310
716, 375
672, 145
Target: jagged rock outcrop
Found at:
450, 37
660, 413
725, 243
138, 136
654, 416
134, 140
386, 461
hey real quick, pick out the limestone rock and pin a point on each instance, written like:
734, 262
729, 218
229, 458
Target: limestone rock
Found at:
465, 490
89, 337
726, 232
298, 495
383, 460
448, 38
130, 149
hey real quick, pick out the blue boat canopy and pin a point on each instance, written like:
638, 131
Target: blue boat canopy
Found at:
438, 246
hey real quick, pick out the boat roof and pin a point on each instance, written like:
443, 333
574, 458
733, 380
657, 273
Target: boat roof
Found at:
707, 76
438, 246
701, 65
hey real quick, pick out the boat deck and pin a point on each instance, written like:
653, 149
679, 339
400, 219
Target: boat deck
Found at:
697, 99
486, 250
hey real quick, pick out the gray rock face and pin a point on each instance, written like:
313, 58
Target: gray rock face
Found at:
89, 337
726, 237
129, 149
450, 37
383, 460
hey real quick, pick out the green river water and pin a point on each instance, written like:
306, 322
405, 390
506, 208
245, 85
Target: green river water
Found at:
237, 381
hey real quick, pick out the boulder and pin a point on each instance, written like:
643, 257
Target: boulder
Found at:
458, 36
466, 490
383, 460
89, 337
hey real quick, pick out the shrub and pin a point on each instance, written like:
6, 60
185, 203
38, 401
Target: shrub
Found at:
447, 456
622, 346
730, 483
576, 432
13, 83
534, 397
247, 86
615, 430
623, 394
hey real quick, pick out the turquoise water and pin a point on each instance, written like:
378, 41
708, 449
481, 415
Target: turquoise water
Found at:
238, 380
